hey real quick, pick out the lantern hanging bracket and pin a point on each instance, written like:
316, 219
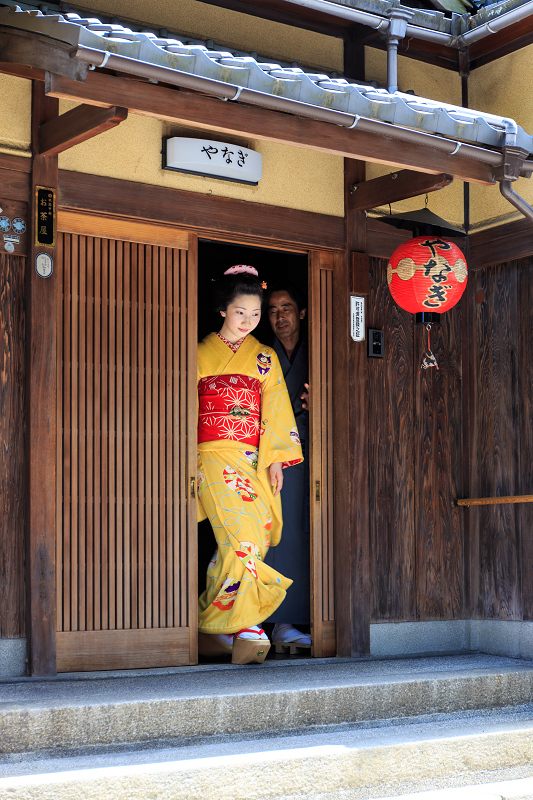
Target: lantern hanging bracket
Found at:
427, 318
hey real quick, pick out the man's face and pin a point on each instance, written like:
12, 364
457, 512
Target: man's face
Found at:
284, 315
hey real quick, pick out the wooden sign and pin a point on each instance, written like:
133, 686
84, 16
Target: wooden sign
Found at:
45, 217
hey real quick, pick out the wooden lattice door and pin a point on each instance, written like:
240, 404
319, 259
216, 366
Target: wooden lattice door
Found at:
126, 527
321, 453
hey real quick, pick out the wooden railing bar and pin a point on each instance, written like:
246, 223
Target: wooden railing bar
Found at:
495, 501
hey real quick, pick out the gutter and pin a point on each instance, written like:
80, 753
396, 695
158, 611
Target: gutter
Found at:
372, 20
226, 91
494, 25
509, 165
416, 31
518, 202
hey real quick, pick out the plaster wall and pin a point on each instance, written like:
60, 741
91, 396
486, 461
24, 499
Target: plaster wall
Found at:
425, 80
502, 88
15, 119
292, 177
230, 28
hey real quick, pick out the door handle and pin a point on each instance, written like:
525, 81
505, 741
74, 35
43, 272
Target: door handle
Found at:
192, 484
317, 490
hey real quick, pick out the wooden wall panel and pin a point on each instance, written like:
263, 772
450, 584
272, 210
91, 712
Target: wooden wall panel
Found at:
438, 472
12, 482
122, 554
415, 465
391, 431
525, 425
497, 440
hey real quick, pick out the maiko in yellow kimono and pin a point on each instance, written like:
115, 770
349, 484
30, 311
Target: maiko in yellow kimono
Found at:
245, 423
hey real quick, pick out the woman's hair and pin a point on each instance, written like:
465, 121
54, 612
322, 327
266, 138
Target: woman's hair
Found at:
228, 287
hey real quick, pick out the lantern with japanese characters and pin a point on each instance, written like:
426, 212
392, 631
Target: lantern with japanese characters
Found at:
427, 276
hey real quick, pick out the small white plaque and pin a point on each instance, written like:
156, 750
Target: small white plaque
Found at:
44, 265
358, 318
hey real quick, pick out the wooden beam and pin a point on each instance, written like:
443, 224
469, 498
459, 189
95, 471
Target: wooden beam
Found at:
285, 14
395, 186
359, 273
22, 71
428, 52
29, 50
207, 113
77, 125
354, 56
499, 50
220, 217
15, 182
41, 293
501, 244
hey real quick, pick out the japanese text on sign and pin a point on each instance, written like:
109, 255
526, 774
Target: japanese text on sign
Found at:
45, 217
225, 154
357, 318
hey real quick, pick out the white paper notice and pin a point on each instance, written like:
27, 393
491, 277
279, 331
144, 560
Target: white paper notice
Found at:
358, 318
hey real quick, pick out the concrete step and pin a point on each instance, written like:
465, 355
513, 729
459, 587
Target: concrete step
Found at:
343, 762
186, 703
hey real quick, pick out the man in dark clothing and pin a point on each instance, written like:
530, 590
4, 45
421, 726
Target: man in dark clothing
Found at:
286, 311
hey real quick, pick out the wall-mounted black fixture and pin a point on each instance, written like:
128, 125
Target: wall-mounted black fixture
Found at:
376, 343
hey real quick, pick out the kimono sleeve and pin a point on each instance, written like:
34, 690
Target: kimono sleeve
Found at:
279, 440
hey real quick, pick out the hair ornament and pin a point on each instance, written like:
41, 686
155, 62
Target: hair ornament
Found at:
239, 269
264, 285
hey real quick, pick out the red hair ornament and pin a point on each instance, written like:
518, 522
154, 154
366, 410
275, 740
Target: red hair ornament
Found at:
427, 276
242, 269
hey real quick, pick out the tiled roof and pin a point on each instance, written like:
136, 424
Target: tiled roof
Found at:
314, 88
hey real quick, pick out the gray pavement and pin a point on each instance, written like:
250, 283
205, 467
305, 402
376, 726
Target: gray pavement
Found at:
331, 729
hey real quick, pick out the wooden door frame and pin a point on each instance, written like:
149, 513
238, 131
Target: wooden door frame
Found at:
244, 223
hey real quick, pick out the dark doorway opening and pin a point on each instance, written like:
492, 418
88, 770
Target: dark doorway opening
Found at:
273, 266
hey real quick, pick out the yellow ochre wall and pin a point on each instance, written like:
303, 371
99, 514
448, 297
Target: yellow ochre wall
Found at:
292, 177
434, 83
15, 119
502, 88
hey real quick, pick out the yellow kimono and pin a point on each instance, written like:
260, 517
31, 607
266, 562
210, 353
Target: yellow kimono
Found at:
245, 423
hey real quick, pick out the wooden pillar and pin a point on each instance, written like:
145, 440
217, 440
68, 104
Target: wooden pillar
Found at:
354, 56
41, 391
352, 546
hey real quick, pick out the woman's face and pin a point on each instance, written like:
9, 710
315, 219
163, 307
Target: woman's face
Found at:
241, 317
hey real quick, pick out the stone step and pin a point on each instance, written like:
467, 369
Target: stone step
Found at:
344, 762
185, 703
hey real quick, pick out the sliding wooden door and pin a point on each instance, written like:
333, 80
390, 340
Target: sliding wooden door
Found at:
321, 452
126, 522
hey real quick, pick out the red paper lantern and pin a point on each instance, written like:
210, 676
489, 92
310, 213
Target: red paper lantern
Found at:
427, 275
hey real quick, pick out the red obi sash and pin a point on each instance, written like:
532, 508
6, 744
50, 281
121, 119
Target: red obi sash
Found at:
229, 408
